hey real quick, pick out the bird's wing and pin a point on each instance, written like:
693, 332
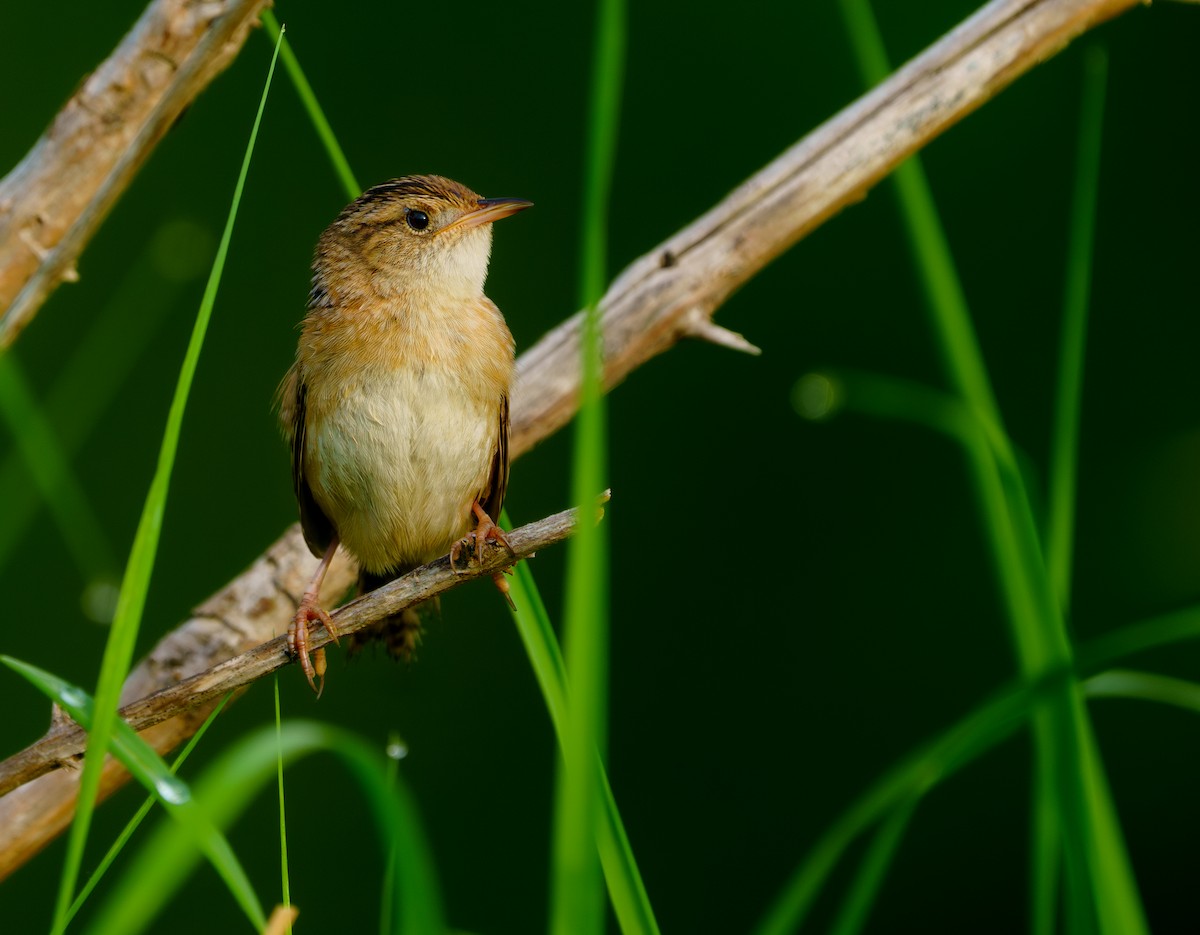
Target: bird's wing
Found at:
492, 496
317, 527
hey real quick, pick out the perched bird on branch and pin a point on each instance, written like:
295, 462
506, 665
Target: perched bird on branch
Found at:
397, 405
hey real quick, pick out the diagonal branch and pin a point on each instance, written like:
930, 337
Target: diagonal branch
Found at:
672, 291
666, 295
69, 740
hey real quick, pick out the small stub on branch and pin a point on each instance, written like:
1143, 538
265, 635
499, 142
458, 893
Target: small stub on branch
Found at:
699, 325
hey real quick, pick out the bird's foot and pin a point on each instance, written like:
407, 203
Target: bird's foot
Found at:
312, 662
486, 530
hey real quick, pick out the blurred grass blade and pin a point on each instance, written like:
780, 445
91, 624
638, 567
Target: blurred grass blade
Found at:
920, 771
1165, 630
1097, 865
193, 825
626, 891
576, 892
934, 263
865, 886
51, 471
308, 99
229, 786
118, 653
541, 645
139, 816
116, 337
396, 751
1064, 458
1064, 438
1146, 686
895, 399
1046, 851
970, 737
1080, 792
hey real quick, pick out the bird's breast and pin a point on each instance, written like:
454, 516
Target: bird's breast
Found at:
400, 438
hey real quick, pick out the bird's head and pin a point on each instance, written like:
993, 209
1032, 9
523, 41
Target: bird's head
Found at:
417, 233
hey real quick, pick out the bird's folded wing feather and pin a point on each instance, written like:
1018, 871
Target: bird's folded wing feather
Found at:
317, 527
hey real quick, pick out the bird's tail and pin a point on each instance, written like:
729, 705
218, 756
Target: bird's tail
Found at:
399, 634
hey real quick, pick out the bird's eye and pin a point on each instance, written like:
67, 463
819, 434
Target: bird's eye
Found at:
417, 220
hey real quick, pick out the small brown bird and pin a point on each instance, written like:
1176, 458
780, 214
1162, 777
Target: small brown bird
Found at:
397, 405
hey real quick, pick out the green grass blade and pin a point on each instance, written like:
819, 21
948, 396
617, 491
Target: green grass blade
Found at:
896, 399
308, 100
139, 816
970, 737
396, 751
1097, 859
51, 471
1147, 686
228, 787
147, 767
935, 265
893, 399
1046, 856
576, 891
865, 887
626, 890
1098, 869
1164, 630
88, 382
285, 884
541, 645
1064, 448
821, 395
118, 653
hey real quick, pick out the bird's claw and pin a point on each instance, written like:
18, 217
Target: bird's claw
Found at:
311, 662
501, 584
477, 538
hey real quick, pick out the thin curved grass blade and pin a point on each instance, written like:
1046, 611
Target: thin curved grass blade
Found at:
228, 787
147, 767
118, 653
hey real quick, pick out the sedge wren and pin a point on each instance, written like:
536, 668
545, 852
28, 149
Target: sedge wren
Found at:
397, 405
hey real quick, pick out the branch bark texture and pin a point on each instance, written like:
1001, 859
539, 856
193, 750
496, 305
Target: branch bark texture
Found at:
666, 295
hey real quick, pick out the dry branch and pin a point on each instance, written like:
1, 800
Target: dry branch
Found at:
673, 290
57, 196
669, 294
428, 581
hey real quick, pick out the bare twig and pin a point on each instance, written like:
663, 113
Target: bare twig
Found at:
428, 581
56, 197
666, 295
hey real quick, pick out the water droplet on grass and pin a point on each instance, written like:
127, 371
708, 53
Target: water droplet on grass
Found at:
172, 790
72, 697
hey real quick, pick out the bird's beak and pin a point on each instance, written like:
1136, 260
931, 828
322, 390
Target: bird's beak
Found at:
490, 209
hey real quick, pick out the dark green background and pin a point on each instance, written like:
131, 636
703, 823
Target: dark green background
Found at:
795, 606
